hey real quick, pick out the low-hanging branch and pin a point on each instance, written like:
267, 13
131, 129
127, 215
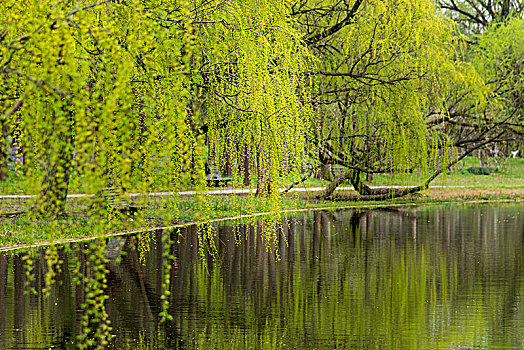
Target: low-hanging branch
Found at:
371, 194
303, 179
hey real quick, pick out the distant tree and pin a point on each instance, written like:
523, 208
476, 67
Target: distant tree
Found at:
499, 58
493, 31
474, 16
384, 68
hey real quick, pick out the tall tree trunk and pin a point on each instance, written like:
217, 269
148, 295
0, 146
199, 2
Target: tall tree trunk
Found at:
4, 146
263, 175
505, 10
247, 164
4, 151
51, 200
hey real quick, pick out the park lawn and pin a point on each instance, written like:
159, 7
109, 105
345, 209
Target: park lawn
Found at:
508, 174
22, 230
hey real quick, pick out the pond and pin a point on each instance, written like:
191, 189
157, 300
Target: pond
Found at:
418, 277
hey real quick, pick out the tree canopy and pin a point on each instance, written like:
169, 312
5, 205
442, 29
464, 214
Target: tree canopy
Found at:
131, 94
474, 16
143, 95
386, 74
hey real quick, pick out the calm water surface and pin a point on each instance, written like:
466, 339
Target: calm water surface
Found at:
449, 277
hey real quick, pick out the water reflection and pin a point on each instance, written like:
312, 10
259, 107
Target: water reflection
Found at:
430, 277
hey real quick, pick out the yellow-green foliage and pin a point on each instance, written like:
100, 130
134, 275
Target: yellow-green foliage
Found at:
89, 79
256, 68
398, 66
499, 58
118, 94
139, 94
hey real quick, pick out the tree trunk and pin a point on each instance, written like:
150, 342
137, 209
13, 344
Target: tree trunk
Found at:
51, 200
505, 10
247, 163
4, 146
365, 193
263, 175
4, 152
328, 192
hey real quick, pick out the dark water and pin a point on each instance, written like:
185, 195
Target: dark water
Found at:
449, 277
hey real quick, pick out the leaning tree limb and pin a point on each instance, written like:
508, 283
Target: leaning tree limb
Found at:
304, 178
365, 193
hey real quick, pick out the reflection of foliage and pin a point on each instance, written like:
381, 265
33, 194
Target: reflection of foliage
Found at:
418, 278
96, 329
144, 243
167, 260
206, 240
28, 258
356, 286
54, 265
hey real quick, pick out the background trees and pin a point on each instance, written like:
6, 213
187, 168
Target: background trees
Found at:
492, 32
396, 90
386, 68
474, 16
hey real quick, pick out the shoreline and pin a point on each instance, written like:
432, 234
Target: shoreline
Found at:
440, 197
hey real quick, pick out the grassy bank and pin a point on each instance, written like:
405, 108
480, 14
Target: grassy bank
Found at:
504, 173
20, 230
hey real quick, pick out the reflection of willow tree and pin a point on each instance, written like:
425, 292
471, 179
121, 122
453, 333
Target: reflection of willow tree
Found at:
377, 286
384, 279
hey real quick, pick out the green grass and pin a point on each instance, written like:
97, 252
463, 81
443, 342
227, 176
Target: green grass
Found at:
506, 173
24, 230
509, 175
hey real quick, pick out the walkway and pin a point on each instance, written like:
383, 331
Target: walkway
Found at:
221, 191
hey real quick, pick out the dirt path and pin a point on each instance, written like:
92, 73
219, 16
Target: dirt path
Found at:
465, 193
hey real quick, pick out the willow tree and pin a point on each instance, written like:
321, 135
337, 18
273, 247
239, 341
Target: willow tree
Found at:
492, 32
73, 65
126, 94
499, 57
385, 68
475, 16
253, 82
